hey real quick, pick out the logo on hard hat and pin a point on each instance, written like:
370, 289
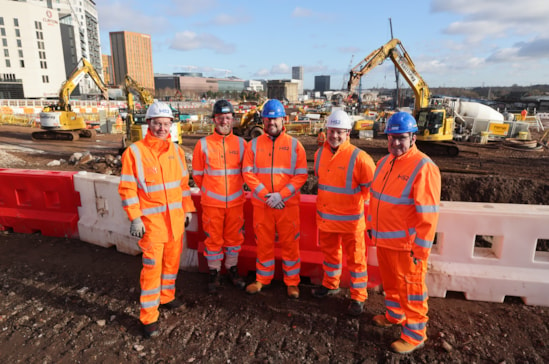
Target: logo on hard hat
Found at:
336, 122
225, 110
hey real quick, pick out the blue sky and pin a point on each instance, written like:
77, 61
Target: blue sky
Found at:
453, 43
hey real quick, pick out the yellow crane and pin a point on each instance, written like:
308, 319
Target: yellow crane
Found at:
435, 124
58, 120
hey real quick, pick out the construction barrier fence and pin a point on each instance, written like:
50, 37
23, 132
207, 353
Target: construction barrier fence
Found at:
510, 263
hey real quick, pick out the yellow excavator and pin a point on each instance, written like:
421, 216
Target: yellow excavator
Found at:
435, 124
136, 125
58, 120
250, 125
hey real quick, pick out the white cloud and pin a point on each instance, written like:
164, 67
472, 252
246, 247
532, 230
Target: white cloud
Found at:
281, 68
121, 16
263, 72
188, 41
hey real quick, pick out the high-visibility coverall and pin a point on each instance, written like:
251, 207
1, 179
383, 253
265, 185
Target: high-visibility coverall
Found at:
344, 179
278, 165
154, 185
217, 170
321, 138
403, 215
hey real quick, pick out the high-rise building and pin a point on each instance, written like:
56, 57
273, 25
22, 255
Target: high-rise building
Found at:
30, 49
71, 23
297, 73
322, 83
132, 55
108, 76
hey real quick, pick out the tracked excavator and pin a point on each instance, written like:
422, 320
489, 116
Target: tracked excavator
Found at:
250, 125
435, 122
58, 120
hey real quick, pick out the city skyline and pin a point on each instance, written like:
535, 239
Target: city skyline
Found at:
453, 43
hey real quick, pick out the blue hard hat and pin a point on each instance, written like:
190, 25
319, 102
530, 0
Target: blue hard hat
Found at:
400, 123
273, 109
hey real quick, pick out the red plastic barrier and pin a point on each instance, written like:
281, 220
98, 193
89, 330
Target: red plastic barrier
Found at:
311, 256
39, 201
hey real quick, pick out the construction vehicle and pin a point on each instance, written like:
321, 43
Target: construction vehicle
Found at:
58, 120
250, 124
435, 124
136, 124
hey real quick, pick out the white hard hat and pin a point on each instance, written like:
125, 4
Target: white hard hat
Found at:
339, 120
159, 110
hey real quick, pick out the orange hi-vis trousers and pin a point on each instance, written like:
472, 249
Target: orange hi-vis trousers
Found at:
406, 296
224, 235
160, 267
353, 244
268, 223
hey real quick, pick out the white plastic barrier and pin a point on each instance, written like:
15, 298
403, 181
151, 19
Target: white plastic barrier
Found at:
510, 267
103, 221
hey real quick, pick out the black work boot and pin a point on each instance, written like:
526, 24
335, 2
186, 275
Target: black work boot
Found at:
214, 281
236, 280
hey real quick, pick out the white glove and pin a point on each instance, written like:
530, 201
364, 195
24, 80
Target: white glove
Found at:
188, 218
273, 200
137, 228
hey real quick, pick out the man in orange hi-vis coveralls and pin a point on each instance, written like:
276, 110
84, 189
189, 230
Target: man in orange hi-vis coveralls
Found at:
275, 168
154, 187
402, 221
344, 175
217, 170
321, 138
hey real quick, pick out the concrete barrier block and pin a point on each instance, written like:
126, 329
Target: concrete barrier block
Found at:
102, 220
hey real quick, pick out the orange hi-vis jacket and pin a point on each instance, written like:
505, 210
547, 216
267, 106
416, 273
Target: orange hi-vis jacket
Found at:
344, 179
217, 170
321, 138
278, 165
154, 185
404, 203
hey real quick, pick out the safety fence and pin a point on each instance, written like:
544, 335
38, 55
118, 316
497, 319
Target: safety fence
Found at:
507, 263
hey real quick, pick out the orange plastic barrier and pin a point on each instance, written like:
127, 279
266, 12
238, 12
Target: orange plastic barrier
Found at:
39, 201
311, 256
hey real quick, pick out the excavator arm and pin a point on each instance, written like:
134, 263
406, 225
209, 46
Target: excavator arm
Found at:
86, 68
144, 95
394, 50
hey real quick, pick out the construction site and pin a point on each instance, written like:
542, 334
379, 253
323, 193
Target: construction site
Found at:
69, 270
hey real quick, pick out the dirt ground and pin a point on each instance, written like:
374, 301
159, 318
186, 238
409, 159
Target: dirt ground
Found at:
65, 301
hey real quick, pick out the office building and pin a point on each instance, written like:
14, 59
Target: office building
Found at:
297, 73
322, 83
30, 51
132, 55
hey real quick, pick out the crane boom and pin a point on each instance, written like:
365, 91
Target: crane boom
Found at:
394, 50
86, 68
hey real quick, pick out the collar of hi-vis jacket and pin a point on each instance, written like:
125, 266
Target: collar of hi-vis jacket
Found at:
157, 144
218, 136
409, 154
279, 135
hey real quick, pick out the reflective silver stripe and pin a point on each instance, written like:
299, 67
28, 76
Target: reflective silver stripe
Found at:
130, 201
301, 171
318, 156
241, 145
168, 286
393, 200
149, 292
294, 156
184, 171
381, 163
340, 217
198, 173
156, 188
154, 210
174, 184
333, 266
247, 169
408, 188
186, 193
222, 197
423, 243
127, 178
340, 190
150, 303
222, 172
426, 208
140, 172
175, 205
273, 170
169, 276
